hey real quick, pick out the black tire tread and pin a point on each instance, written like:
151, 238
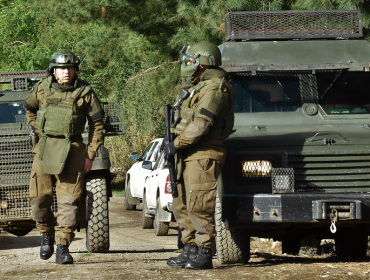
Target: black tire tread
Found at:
146, 222
233, 246
97, 215
351, 245
127, 204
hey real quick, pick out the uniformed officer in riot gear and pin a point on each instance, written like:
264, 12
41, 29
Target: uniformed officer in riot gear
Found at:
57, 109
206, 119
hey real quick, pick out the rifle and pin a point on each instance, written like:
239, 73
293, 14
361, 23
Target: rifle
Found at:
170, 159
169, 137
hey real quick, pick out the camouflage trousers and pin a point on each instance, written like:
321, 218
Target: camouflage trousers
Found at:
194, 208
68, 187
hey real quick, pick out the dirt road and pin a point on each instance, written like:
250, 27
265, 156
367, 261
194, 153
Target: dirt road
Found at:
139, 254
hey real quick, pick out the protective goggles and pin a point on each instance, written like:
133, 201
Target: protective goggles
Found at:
187, 59
65, 59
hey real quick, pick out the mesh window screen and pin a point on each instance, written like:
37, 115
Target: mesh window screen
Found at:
12, 112
344, 92
267, 93
293, 24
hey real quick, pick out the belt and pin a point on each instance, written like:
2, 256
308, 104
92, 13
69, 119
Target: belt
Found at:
73, 138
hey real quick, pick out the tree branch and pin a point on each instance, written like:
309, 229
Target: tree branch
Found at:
151, 69
18, 42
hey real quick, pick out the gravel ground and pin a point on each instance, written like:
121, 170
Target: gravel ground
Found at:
139, 254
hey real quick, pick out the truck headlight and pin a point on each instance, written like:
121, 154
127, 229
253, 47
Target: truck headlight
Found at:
4, 204
256, 168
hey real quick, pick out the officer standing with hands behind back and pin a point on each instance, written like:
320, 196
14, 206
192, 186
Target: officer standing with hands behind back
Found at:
56, 110
205, 119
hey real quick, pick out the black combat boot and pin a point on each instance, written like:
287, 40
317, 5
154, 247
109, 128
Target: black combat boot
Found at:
47, 246
202, 261
188, 253
62, 255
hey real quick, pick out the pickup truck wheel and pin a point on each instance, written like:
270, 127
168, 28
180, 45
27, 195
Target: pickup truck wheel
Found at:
160, 228
146, 221
353, 245
233, 246
128, 196
97, 215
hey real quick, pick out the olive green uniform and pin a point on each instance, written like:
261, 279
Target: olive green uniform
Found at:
70, 182
207, 118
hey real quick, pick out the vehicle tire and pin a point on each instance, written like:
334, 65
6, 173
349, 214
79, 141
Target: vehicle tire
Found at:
353, 245
20, 232
160, 228
146, 222
290, 245
128, 196
97, 215
233, 246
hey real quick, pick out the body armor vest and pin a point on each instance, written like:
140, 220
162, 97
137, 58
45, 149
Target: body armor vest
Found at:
60, 115
223, 125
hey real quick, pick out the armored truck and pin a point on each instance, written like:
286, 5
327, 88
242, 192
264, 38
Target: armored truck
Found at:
298, 163
16, 160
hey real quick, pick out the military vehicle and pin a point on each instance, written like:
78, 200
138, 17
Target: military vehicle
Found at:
16, 159
298, 164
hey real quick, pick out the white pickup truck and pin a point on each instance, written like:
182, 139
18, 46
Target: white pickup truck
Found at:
136, 175
157, 200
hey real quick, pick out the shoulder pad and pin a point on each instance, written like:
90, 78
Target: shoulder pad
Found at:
35, 86
85, 87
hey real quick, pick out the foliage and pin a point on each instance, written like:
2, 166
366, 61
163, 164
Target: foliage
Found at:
118, 187
129, 48
361, 5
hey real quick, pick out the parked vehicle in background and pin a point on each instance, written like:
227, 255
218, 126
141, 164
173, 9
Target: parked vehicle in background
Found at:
135, 176
297, 167
157, 198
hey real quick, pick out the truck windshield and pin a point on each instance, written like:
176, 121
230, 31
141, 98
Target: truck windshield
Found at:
12, 112
266, 94
344, 92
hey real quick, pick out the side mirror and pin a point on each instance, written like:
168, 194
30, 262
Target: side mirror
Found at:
134, 155
147, 164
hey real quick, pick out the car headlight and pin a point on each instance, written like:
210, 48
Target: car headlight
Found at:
256, 168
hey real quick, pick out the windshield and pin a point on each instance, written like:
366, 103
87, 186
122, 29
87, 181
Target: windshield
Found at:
12, 112
266, 94
344, 92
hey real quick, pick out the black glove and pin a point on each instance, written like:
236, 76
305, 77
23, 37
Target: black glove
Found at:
170, 149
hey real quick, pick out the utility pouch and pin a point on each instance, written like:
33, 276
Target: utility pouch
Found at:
179, 164
187, 116
53, 154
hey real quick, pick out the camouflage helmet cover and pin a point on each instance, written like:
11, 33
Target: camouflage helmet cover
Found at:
64, 58
201, 53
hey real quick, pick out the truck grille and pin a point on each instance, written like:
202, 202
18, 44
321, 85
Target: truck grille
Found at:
15, 167
331, 173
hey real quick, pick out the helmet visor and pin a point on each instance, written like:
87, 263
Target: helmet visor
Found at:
65, 59
188, 60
